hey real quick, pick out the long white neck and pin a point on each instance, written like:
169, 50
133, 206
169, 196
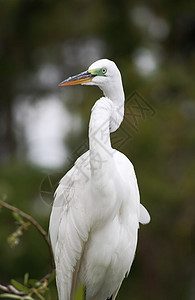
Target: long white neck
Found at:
106, 116
101, 152
114, 91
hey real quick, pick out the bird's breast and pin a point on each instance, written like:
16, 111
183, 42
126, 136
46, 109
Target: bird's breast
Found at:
113, 214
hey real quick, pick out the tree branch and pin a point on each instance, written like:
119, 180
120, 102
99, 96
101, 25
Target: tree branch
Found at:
36, 225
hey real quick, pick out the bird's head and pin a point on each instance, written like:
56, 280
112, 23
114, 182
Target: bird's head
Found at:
103, 73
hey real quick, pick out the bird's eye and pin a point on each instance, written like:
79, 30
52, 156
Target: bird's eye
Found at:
104, 70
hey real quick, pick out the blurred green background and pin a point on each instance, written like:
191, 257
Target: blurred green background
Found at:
43, 128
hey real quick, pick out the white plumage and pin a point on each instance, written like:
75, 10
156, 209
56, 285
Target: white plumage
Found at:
96, 211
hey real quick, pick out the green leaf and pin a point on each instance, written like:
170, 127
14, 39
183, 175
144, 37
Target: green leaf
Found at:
20, 286
17, 217
80, 293
11, 296
32, 282
26, 277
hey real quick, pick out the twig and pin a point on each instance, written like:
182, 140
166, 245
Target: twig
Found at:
37, 226
10, 289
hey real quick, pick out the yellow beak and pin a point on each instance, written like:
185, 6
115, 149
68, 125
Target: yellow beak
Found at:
78, 79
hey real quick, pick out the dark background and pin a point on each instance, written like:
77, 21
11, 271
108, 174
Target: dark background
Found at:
43, 128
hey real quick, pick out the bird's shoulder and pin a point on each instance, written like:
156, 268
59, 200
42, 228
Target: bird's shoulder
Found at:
79, 173
123, 164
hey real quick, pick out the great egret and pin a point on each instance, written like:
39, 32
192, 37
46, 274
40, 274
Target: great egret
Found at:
96, 212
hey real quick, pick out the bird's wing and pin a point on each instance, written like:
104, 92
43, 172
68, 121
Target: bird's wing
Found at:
144, 217
69, 226
127, 171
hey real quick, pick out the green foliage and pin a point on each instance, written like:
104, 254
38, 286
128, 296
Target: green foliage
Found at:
80, 293
14, 238
11, 296
31, 289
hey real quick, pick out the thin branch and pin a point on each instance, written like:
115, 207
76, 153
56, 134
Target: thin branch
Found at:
36, 225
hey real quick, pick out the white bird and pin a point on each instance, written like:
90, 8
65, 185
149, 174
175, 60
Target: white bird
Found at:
96, 211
